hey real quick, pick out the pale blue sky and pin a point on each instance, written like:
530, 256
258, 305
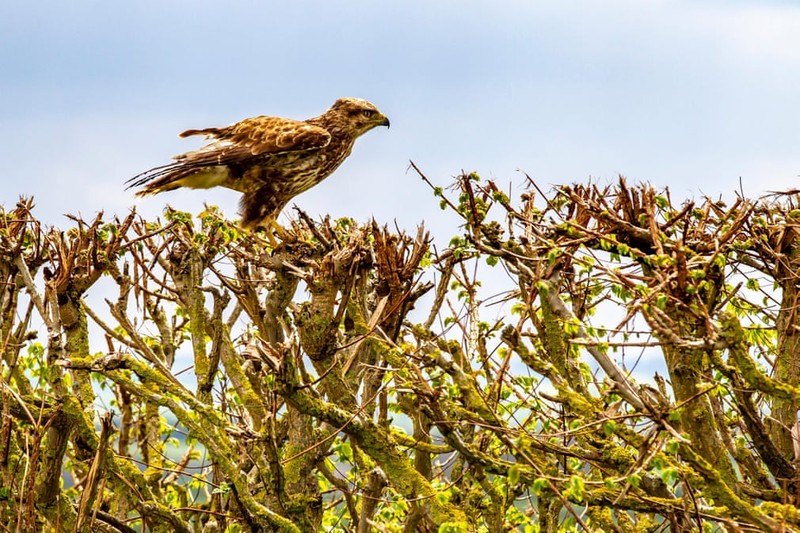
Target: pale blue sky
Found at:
687, 94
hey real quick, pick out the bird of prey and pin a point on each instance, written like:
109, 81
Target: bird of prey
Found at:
270, 160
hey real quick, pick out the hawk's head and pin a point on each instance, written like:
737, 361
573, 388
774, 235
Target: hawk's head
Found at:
359, 115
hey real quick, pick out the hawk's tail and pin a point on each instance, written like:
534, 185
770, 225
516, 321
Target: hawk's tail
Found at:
159, 179
179, 174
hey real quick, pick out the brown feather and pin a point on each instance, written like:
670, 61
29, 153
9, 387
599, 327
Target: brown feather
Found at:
208, 132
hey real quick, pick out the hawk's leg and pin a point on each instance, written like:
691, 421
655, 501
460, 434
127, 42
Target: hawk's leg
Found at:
273, 229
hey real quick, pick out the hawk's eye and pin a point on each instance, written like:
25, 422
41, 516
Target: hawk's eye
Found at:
368, 113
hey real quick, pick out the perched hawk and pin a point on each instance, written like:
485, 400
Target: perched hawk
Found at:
268, 159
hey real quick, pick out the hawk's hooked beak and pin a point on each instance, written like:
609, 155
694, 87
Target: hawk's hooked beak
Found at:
385, 122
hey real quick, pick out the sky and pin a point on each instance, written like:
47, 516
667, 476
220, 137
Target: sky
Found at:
695, 95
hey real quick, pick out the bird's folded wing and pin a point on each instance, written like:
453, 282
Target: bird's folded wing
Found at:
257, 136
238, 144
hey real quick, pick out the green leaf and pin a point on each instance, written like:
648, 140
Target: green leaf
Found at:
669, 476
224, 488
539, 484
344, 451
499, 196
452, 527
575, 488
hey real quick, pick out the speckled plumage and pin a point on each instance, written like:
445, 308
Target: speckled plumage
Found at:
270, 160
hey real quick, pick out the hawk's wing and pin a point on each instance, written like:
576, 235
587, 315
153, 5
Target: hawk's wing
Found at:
257, 136
252, 138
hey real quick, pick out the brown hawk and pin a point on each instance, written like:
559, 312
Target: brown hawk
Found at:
268, 159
